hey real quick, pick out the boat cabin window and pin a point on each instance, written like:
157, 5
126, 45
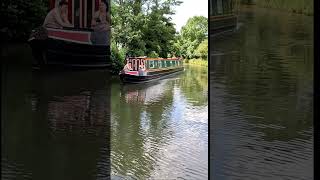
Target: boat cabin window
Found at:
151, 64
155, 63
174, 63
163, 64
159, 64
167, 63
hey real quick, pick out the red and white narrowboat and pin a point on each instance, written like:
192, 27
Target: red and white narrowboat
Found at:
143, 69
72, 46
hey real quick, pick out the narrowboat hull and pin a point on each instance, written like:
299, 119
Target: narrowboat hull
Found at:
54, 50
222, 24
58, 52
128, 78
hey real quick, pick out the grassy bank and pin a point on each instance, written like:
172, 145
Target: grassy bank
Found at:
295, 6
198, 62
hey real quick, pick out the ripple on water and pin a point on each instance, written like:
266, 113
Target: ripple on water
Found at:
261, 103
166, 136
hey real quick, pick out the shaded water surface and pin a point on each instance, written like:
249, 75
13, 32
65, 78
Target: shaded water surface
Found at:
54, 125
160, 130
261, 87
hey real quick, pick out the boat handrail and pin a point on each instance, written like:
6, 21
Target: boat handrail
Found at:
146, 58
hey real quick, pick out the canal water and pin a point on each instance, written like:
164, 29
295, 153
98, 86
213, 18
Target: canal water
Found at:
160, 130
70, 124
261, 98
54, 124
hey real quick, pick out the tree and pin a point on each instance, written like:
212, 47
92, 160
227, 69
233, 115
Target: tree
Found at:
19, 17
202, 50
192, 34
143, 26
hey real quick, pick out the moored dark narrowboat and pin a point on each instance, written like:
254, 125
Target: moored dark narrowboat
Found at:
223, 16
79, 46
142, 69
69, 48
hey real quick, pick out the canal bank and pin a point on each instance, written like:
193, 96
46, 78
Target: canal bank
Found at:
197, 62
261, 104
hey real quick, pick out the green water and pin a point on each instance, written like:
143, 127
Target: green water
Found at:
160, 130
261, 98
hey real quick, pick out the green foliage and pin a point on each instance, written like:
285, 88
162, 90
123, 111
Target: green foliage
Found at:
191, 35
143, 27
153, 54
117, 58
195, 29
198, 62
202, 50
19, 17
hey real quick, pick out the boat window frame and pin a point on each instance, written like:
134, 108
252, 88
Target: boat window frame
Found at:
156, 66
163, 64
149, 64
168, 63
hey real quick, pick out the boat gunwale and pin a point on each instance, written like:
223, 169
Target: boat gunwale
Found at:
158, 70
152, 76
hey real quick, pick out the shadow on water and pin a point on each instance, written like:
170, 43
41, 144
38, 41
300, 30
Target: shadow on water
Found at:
55, 125
262, 98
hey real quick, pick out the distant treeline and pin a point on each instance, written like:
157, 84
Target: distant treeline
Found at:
295, 6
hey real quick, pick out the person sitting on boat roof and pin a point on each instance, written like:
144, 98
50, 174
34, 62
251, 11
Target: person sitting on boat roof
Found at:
127, 67
101, 19
141, 70
58, 16
101, 25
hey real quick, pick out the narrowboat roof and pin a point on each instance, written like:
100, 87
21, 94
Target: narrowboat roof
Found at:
146, 58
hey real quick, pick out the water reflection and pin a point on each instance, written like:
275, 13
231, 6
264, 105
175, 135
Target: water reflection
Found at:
143, 93
159, 130
55, 125
262, 97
